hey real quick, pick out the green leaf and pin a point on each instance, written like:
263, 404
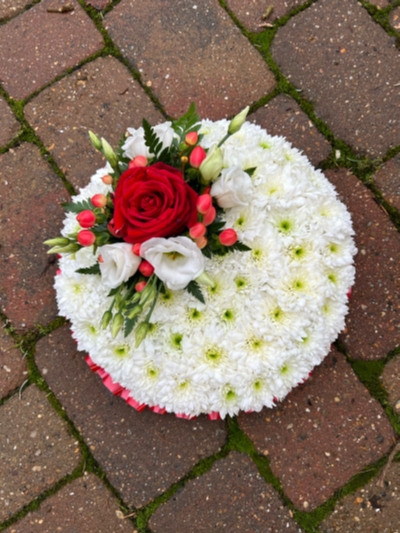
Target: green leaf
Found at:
240, 246
113, 292
94, 269
250, 171
129, 325
215, 227
187, 122
194, 289
207, 252
150, 139
77, 207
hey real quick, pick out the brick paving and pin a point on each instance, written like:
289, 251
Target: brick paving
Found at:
283, 116
214, 65
9, 124
162, 473
346, 65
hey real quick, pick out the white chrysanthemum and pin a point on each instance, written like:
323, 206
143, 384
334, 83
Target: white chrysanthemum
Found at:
273, 312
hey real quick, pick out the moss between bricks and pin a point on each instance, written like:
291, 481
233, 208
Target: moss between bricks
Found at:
368, 371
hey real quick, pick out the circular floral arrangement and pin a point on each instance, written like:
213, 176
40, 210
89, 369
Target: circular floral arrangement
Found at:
273, 308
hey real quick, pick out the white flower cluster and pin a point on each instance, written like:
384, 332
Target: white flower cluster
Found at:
274, 310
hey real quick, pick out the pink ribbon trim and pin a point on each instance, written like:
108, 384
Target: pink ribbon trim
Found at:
124, 393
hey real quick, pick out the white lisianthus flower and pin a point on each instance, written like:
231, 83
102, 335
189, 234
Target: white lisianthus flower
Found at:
135, 145
176, 261
118, 263
233, 188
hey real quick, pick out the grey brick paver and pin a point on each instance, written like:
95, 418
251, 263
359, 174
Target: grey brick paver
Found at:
322, 434
56, 42
347, 66
62, 115
84, 506
30, 198
212, 65
232, 496
141, 453
36, 450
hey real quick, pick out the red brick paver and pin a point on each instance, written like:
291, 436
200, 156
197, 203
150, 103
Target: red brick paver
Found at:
232, 496
141, 453
9, 125
372, 509
347, 66
391, 381
387, 179
395, 18
57, 41
322, 434
36, 450
102, 97
85, 505
9, 8
12, 365
282, 116
255, 15
213, 65
30, 197
98, 4
373, 323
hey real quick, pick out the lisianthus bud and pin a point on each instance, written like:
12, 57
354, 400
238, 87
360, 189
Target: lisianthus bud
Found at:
140, 333
117, 324
228, 237
107, 179
203, 203
109, 153
146, 268
99, 200
201, 242
191, 138
140, 286
211, 167
209, 217
197, 156
86, 237
70, 248
138, 161
86, 218
106, 319
95, 141
135, 311
57, 241
198, 230
238, 121
204, 279
136, 249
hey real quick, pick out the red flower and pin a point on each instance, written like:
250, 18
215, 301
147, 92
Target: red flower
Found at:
153, 201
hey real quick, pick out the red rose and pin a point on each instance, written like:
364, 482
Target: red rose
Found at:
153, 201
